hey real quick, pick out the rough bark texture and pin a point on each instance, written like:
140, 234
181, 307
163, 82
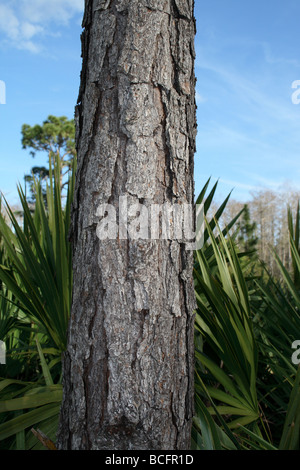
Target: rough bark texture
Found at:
128, 370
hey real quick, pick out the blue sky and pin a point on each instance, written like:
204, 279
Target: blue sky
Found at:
248, 56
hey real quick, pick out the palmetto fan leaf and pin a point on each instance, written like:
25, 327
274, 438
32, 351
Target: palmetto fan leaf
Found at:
39, 273
223, 318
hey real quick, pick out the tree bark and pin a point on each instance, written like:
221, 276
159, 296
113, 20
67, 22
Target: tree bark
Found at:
128, 370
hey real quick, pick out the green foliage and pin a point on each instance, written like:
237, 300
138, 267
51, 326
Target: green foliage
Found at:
244, 374
26, 404
55, 135
294, 231
277, 323
36, 277
246, 386
56, 138
223, 319
247, 238
39, 273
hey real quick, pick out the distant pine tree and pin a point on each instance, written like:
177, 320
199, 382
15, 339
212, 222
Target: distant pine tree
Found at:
247, 239
55, 137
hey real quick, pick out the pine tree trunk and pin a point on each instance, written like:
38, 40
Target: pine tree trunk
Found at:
128, 370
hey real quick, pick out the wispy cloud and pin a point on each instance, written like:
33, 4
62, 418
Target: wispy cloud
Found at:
251, 92
60, 11
248, 127
23, 23
249, 106
272, 58
236, 184
199, 98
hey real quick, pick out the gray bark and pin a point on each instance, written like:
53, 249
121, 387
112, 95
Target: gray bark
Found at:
128, 370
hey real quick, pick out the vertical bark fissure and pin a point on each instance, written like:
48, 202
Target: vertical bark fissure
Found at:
168, 157
189, 406
86, 370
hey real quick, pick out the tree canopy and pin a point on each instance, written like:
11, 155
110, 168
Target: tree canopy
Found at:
56, 137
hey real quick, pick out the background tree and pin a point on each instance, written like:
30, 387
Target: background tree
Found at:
269, 209
128, 370
247, 238
266, 224
56, 138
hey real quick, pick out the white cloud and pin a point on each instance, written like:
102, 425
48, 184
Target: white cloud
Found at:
9, 23
24, 22
41, 11
273, 59
237, 184
199, 98
29, 30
